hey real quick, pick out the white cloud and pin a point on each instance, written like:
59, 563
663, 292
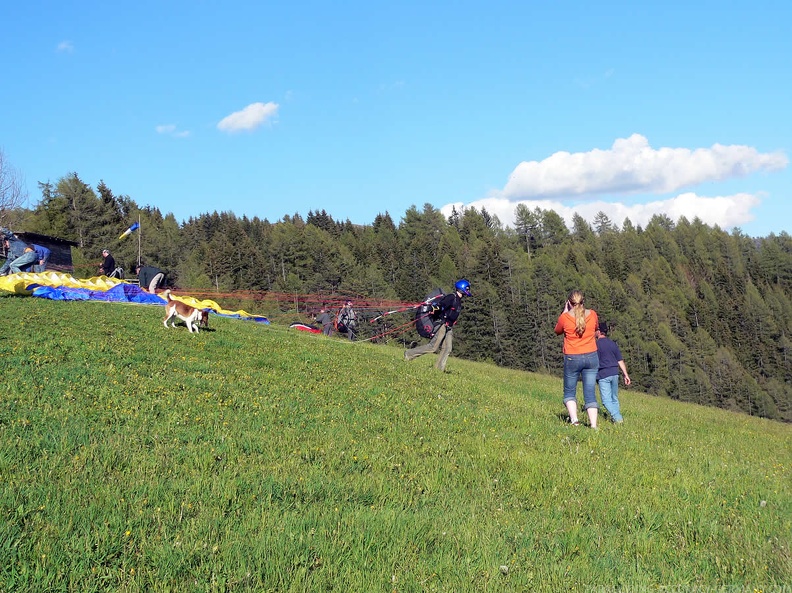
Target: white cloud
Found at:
725, 211
632, 166
170, 130
569, 183
250, 118
65, 47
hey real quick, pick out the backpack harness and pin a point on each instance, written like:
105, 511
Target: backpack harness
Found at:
428, 315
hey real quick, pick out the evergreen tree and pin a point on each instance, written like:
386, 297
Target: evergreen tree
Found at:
386, 248
581, 230
603, 224
50, 217
109, 221
775, 260
527, 223
84, 208
420, 234
553, 231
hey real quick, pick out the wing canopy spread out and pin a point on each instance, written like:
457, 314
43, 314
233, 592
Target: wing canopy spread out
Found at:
62, 287
306, 328
122, 293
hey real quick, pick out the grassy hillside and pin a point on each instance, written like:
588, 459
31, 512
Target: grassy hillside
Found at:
258, 458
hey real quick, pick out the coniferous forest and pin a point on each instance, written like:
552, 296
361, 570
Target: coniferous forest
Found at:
701, 315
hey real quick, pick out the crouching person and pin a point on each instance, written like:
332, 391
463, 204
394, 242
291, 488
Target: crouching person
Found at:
20, 255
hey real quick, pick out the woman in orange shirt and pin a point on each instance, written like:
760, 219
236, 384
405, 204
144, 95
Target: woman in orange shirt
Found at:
578, 324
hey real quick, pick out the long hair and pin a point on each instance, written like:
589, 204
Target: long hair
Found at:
578, 310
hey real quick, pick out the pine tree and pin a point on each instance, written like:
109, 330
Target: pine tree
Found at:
527, 223
83, 209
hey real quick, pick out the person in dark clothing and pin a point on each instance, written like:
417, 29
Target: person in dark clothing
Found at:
610, 361
450, 306
108, 265
326, 320
150, 278
347, 318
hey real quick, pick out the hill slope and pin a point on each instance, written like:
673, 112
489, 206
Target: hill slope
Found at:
257, 458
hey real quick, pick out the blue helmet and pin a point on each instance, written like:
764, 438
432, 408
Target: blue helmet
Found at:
463, 286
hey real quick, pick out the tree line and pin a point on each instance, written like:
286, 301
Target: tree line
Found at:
701, 315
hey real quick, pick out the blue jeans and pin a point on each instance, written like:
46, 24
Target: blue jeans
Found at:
609, 392
15, 266
39, 267
583, 366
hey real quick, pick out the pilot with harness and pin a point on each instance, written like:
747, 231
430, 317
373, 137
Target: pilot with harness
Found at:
447, 311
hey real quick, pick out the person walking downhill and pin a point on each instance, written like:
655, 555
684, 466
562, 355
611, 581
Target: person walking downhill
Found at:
610, 361
450, 306
578, 326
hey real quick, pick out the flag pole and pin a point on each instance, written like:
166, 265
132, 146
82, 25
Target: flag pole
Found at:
139, 240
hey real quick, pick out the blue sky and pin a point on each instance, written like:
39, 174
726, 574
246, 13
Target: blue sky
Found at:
271, 109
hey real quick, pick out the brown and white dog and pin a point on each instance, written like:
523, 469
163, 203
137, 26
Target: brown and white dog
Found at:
190, 315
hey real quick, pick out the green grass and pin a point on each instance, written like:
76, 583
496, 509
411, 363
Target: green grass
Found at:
258, 458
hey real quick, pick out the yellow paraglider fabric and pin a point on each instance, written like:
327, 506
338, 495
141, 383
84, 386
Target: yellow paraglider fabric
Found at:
18, 283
